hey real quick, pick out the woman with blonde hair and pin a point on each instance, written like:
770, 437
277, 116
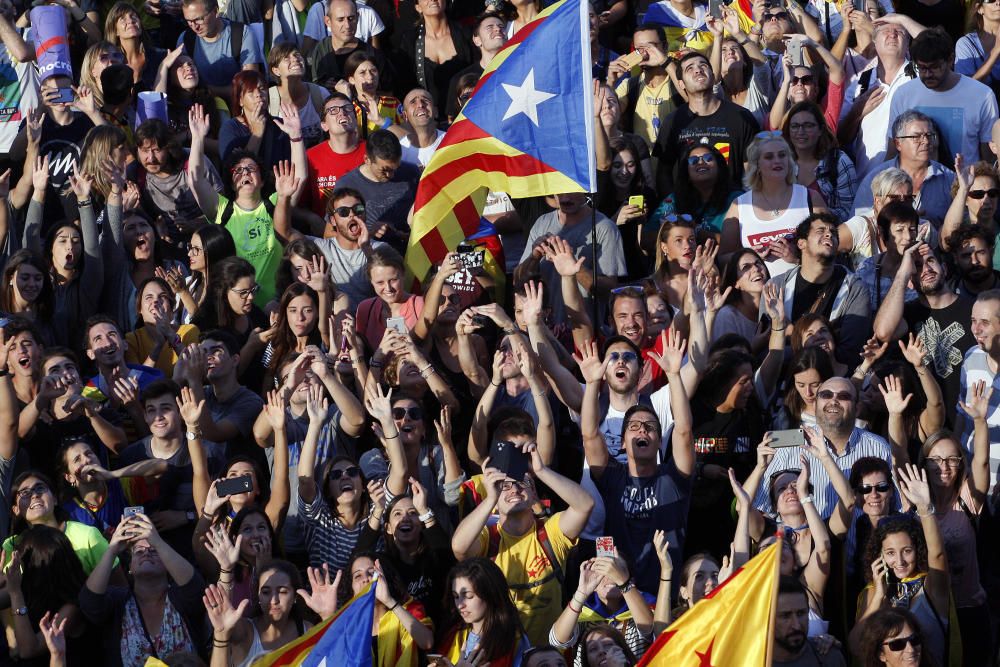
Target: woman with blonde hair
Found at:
123, 28
98, 58
101, 142
765, 217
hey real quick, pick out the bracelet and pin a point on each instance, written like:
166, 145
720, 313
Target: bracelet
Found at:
666, 580
83, 202
220, 644
808, 500
427, 371
210, 517
390, 437
575, 611
930, 512
224, 571
495, 384
394, 606
4, 372
426, 516
295, 140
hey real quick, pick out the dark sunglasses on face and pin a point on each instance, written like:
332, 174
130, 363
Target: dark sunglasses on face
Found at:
415, 414
805, 80
992, 193
353, 471
899, 643
627, 357
453, 299
777, 16
828, 394
707, 158
345, 211
881, 487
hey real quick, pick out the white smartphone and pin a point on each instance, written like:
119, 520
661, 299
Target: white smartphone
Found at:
397, 323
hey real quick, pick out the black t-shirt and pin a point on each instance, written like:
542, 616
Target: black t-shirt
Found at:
62, 144
639, 506
945, 332
43, 443
805, 296
731, 129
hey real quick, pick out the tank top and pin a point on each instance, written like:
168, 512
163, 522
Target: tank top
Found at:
256, 648
756, 233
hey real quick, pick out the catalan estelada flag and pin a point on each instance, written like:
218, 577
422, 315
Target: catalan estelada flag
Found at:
527, 130
732, 627
344, 639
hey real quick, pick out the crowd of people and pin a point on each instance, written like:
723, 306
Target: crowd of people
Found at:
225, 410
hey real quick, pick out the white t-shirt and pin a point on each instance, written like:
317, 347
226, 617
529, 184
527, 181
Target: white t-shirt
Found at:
823, 9
18, 95
419, 157
756, 233
964, 114
870, 144
369, 24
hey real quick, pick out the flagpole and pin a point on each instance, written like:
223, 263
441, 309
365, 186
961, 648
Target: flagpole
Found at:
593, 251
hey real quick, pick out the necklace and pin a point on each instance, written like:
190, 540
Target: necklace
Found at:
774, 211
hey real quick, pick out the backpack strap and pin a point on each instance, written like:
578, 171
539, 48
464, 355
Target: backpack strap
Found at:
543, 540
190, 39
227, 213
493, 546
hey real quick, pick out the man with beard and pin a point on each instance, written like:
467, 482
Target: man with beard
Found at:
938, 316
161, 173
726, 125
981, 364
648, 492
820, 286
346, 244
836, 410
972, 252
792, 647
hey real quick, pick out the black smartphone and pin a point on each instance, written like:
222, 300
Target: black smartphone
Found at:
232, 486
506, 457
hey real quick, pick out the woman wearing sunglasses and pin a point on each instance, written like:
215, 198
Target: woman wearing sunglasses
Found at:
906, 567
975, 195
823, 84
958, 489
892, 637
703, 189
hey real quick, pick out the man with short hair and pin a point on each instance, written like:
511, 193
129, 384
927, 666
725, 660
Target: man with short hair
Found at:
915, 141
981, 364
938, 316
423, 136
217, 53
836, 411
723, 123
792, 646
368, 27
820, 285
489, 34
388, 185
646, 98
972, 251
340, 153
963, 109
327, 59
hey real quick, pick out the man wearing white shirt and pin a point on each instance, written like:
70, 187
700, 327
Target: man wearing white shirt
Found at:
423, 136
980, 365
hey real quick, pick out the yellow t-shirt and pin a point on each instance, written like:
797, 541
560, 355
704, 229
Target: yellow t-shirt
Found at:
140, 345
534, 587
652, 107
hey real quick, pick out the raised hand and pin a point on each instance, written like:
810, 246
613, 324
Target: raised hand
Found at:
443, 426
126, 390
285, 182
662, 547
33, 126
525, 361
492, 479
914, 351
872, 351
274, 409
765, 452
591, 367
979, 400
53, 629
613, 569
226, 552
742, 497
914, 487
221, 613
673, 352
317, 404
802, 482
198, 123
81, 183
379, 405
323, 598
814, 443
533, 302
290, 123
774, 303
892, 392
590, 578
190, 408
85, 101
421, 502
560, 253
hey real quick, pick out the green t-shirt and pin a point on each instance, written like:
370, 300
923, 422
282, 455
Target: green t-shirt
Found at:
253, 234
87, 541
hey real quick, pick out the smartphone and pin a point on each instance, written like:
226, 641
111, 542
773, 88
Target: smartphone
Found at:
794, 49
793, 437
508, 459
715, 8
633, 59
232, 486
66, 96
397, 323
480, 320
605, 547
132, 511
637, 200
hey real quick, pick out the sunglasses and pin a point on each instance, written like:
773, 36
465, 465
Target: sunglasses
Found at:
828, 394
353, 471
900, 643
416, 414
805, 80
881, 487
777, 16
992, 193
769, 134
628, 356
345, 211
904, 198
707, 158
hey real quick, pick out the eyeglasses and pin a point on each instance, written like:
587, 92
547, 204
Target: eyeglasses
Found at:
345, 211
245, 169
142, 551
881, 487
352, 471
635, 426
797, 127
777, 16
828, 394
992, 193
950, 461
768, 134
904, 198
805, 80
899, 643
199, 19
245, 293
36, 490
112, 58
509, 484
339, 109
627, 356
707, 158
195, 250
416, 414
920, 136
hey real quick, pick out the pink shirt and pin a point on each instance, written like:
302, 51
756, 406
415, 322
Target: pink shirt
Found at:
371, 317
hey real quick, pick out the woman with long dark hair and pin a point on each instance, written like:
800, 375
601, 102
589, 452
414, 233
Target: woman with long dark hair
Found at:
209, 245
809, 368
623, 184
123, 28
744, 276
178, 78
298, 325
375, 109
823, 167
26, 290
484, 624
229, 302
703, 189
893, 637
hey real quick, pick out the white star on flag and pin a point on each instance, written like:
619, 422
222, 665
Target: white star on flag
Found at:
525, 98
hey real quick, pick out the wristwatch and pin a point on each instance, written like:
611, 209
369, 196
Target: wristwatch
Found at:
21, 611
626, 587
192, 435
424, 518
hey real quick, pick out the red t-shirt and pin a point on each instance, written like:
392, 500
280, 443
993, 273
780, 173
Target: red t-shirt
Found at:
325, 167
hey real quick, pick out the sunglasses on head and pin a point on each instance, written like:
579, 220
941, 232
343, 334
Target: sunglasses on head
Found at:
345, 211
805, 80
416, 414
707, 158
353, 471
828, 394
992, 193
899, 643
628, 356
881, 487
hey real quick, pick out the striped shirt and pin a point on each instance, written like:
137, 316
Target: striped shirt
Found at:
976, 368
327, 539
861, 444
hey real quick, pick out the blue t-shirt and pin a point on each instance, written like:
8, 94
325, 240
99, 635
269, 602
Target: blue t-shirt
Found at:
214, 60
